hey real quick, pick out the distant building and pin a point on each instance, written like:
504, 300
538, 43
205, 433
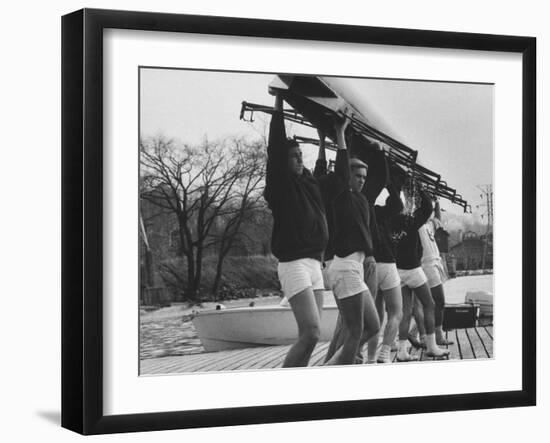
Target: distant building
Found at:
468, 252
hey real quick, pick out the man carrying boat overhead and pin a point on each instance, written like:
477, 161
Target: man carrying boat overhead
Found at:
389, 297
408, 254
375, 159
435, 271
351, 243
299, 236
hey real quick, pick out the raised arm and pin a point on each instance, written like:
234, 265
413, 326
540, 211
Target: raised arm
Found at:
423, 213
341, 168
437, 210
378, 175
437, 216
373, 226
277, 171
393, 205
321, 165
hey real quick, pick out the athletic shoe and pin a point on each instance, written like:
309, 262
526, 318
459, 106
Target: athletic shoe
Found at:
418, 344
444, 342
384, 357
406, 357
443, 353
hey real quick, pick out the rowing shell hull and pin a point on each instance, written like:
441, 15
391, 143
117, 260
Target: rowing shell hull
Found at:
319, 99
248, 327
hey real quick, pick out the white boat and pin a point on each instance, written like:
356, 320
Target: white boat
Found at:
234, 328
484, 299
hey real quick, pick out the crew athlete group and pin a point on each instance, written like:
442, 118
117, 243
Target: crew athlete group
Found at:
329, 234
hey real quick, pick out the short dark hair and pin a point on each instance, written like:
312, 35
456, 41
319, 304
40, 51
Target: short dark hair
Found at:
355, 163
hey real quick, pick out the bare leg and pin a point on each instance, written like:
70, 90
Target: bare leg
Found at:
371, 322
394, 307
371, 325
419, 328
372, 344
438, 295
319, 299
352, 310
439, 299
418, 313
372, 319
337, 337
405, 323
404, 326
306, 312
425, 297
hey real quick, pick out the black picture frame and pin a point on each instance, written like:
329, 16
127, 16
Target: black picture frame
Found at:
82, 218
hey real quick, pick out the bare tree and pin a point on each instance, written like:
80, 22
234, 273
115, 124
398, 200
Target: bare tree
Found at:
204, 186
248, 201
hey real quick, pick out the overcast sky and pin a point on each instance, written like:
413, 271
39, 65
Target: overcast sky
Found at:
450, 124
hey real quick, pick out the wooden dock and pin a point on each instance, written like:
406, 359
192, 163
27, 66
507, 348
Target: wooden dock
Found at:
471, 343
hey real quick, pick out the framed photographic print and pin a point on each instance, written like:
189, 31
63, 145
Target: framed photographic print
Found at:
258, 216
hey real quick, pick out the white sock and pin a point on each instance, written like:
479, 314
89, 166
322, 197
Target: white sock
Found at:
385, 352
439, 331
402, 352
430, 343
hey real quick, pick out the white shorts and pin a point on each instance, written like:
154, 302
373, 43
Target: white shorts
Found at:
388, 277
413, 278
346, 275
435, 272
297, 275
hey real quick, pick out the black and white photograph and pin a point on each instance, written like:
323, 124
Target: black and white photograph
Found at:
290, 220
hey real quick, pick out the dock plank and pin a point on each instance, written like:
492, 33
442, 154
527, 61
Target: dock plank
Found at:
487, 341
164, 364
270, 359
464, 345
468, 344
216, 364
477, 344
255, 360
245, 360
210, 360
454, 352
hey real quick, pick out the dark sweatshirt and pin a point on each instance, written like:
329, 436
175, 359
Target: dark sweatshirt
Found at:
349, 212
407, 248
384, 252
378, 178
299, 224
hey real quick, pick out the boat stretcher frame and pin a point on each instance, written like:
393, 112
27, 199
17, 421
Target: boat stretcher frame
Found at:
398, 153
